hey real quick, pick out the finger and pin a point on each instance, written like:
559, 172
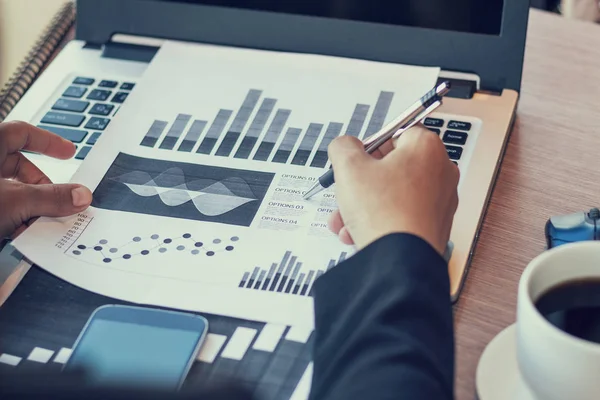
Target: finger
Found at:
335, 222
390, 145
455, 172
17, 166
345, 236
346, 153
18, 231
412, 134
17, 135
418, 142
22, 228
53, 200
384, 149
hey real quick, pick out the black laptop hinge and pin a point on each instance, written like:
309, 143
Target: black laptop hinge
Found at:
460, 88
129, 52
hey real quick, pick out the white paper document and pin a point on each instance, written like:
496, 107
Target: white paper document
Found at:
198, 181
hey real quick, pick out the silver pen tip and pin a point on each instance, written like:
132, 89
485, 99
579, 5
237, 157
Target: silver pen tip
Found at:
316, 188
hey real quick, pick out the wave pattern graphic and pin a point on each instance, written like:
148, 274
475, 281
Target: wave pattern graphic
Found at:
210, 197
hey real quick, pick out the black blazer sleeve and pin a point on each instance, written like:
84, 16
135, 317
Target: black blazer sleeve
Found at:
384, 325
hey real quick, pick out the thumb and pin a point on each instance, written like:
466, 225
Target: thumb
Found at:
347, 153
55, 200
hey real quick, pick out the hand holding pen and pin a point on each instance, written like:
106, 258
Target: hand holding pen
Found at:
413, 115
411, 188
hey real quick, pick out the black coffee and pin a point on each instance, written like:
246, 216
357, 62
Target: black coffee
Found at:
574, 307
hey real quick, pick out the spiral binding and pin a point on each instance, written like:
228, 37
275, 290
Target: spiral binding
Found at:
36, 60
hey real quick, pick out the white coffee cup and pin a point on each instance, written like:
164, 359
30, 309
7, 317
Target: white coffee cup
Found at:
556, 365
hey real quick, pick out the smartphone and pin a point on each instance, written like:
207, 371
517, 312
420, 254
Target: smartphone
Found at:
138, 347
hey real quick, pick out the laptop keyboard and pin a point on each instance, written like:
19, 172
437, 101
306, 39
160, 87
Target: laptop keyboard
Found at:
86, 107
84, 111
454, 134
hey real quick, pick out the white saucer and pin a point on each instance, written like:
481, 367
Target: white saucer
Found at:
498, 376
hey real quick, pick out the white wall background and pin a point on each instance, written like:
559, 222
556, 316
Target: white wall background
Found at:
21, 23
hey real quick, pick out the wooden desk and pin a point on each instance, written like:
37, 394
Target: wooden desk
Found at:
551, 167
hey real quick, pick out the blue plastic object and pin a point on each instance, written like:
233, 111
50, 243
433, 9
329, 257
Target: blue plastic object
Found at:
572, 228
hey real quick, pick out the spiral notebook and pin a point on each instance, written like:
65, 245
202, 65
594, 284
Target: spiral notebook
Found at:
37, 59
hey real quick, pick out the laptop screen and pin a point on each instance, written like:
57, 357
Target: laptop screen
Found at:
474, 16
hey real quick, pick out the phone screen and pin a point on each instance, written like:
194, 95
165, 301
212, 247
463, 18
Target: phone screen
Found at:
121, 353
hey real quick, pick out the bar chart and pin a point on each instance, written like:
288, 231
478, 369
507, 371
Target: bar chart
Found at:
259, 131
269, 359
287, 276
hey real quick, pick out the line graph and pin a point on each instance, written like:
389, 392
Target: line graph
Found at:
182, 190
215, 199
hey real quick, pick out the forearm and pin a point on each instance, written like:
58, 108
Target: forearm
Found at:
384, 325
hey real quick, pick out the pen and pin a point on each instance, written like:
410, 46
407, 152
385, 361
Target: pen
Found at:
413, 115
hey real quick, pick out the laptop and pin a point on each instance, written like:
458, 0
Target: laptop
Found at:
479, 46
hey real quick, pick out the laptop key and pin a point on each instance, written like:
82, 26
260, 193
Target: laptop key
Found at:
120, 97
455, 137
454, 152
463, 126
83, 81
58, 118
70, 105
75, 91
99, 94
83, 152
101, 109
94, 138
74, 135
435, 122
435, 130
127, 86
98, 124
108, 84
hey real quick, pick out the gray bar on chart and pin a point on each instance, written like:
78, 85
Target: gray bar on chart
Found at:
307, 144
331, 264
284, 260
265, 285
296, 270
321, 158
175, 132
287, 145
319, 273
380, 113
214, 132
253, 277
308, 282
244, 279
298, 285
357, 120
260, 279
282, 278
189, 141
286, 274
256, 128
266, 146
290, 284
155, 131
239, 123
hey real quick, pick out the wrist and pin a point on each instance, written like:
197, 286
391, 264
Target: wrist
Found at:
374, 232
